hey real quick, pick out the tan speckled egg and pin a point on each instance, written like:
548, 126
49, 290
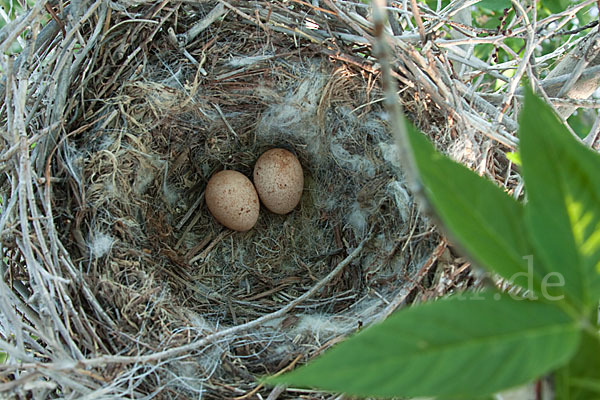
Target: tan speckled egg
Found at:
232, 200
279, 180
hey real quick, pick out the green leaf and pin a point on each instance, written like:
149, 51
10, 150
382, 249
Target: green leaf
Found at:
563, 208
556, 6
515, 157
485, 221
580, 379
494, 5
433, 4
454, 348
582, 122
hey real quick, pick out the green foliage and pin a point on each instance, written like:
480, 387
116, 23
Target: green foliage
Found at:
488, 19
457, 347
492, 235
483, 51
563, 208
494, 5
515, 157
556, 6
10, 7
471, 346
433, 4
13, 8
580, 379
581, 122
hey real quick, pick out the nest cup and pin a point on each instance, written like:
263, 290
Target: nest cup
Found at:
117, 282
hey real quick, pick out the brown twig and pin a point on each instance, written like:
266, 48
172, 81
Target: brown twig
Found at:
56, 18
417, 15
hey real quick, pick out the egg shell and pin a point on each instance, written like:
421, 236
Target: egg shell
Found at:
279, 180
232, 200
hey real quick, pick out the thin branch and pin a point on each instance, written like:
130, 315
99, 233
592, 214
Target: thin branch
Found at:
418, 19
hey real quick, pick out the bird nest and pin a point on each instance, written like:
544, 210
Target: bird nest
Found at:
117, 282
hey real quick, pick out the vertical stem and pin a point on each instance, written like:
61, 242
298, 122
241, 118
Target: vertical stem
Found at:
392, 101
416, 13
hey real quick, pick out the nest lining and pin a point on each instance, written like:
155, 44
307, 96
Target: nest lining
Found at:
136, 265
230, 278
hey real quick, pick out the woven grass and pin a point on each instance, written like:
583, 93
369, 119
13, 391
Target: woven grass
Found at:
117, 282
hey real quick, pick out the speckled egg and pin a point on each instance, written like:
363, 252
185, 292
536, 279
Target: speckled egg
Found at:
279, 180
232, 200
